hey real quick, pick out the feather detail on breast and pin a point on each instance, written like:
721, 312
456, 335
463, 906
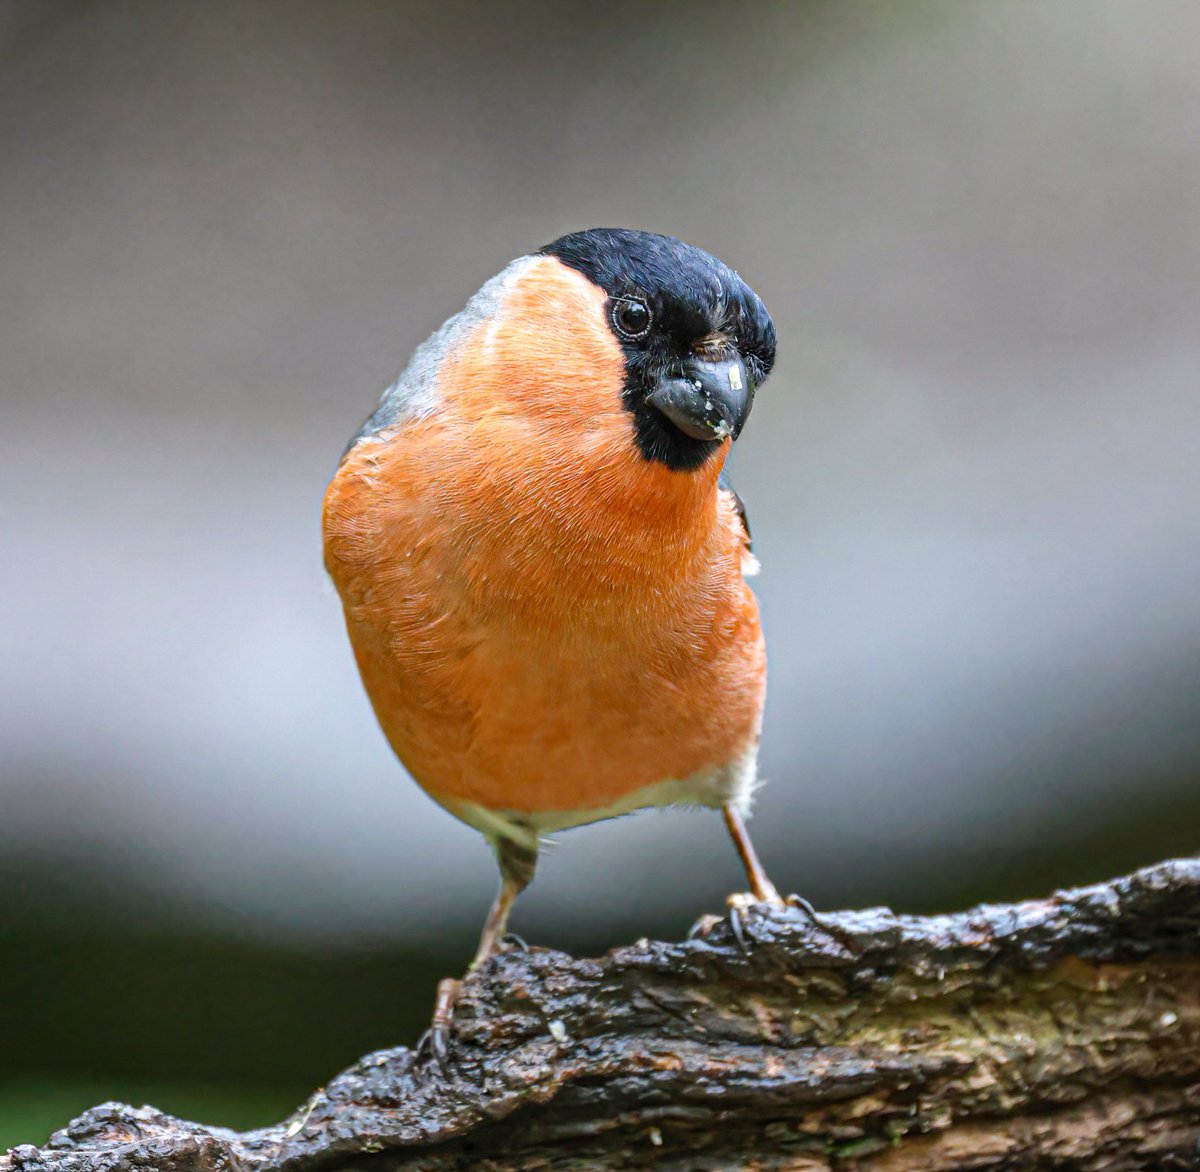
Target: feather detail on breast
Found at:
544, 620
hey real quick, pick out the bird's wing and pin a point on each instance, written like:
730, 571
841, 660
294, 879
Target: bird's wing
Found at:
413, 394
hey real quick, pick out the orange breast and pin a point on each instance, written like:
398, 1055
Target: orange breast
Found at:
544, 620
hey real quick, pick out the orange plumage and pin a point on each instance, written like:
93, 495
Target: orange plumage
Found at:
545, 621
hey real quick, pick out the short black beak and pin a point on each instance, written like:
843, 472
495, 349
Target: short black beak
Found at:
710, 400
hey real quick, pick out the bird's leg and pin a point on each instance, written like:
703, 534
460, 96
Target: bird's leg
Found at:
765, 892
763, 888
516, 870
517, 865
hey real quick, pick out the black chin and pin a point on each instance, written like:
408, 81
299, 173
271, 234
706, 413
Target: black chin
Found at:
659, 440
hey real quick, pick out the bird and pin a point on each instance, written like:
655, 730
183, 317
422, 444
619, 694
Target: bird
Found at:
542, 564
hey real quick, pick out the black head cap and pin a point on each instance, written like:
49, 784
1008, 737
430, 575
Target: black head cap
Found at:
700, 312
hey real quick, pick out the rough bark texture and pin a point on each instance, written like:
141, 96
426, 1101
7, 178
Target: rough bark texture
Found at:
1062, 1033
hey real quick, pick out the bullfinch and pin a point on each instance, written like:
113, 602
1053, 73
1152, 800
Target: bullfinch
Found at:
543, 570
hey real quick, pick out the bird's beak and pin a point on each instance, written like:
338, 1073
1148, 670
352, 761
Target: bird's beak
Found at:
709, 400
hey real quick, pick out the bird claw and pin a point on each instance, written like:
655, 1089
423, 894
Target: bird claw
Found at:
802, 904
738, 929
514, 942
740, 904
433, 1047
839, 934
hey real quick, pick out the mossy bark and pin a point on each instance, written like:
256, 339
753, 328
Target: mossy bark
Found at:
1059, 1033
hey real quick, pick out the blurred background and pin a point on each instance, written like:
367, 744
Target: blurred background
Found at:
974, 480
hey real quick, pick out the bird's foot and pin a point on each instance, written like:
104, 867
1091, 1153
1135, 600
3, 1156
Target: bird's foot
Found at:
738, 904
433, 1049
742, 902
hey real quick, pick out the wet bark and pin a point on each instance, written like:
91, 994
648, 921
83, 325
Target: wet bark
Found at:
1060, 1033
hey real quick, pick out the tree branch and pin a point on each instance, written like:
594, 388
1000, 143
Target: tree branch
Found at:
1058, 1033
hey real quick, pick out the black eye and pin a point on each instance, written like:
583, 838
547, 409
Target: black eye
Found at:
632, 318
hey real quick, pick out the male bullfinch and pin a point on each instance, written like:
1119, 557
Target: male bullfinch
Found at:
542, 568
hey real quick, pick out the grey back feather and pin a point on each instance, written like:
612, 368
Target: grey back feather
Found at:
414, 394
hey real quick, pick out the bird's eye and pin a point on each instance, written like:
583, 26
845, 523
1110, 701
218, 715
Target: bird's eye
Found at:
632, 318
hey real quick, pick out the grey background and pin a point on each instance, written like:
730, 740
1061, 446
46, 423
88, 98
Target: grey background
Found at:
974, 478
